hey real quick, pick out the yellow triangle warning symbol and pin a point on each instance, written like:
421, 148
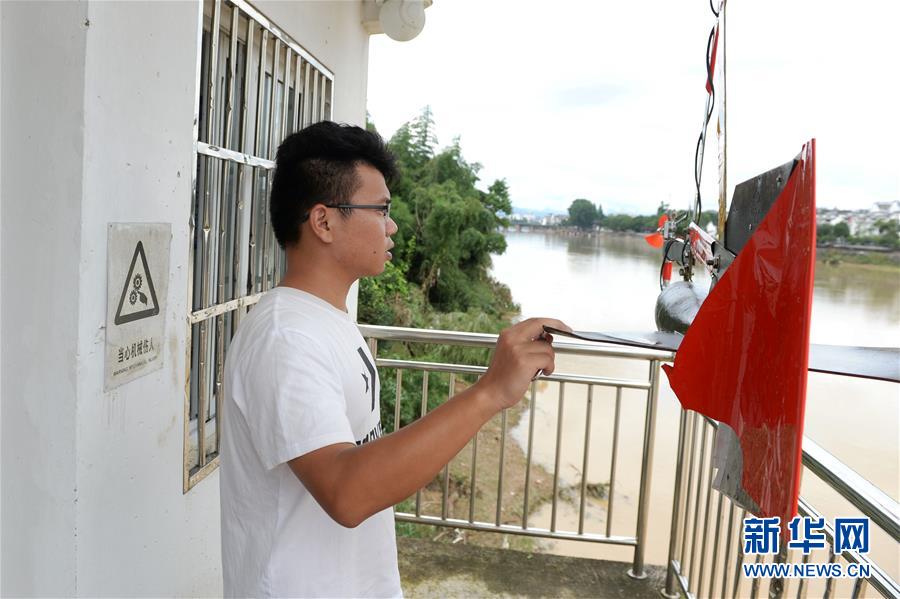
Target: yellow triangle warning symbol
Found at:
138, 295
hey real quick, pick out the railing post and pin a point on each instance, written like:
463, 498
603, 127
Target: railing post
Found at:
669, 590
637, 568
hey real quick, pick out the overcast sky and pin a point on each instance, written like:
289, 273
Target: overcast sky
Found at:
604, 100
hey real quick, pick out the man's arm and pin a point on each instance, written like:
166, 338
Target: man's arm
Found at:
351, 483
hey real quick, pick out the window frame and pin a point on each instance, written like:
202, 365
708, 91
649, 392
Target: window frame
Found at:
231, 241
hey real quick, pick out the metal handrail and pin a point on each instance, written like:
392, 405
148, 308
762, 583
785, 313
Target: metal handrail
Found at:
870, 500
559, 377
880, 580
562, 346
883, 510
489, 340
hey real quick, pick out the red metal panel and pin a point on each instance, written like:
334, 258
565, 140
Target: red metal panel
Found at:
744, 359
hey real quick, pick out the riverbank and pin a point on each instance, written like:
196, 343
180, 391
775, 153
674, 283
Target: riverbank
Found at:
883, 260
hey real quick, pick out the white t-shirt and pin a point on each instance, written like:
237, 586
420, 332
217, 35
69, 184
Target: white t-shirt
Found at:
298, 377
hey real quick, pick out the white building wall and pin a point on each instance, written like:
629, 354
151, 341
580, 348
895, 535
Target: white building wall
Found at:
138, 534
97, 110
42, 113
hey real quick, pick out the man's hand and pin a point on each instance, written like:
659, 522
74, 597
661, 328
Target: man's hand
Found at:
522, 351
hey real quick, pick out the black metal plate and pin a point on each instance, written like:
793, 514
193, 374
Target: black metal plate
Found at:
751, 202
879, 363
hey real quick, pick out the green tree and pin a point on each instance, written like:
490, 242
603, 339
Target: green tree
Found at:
841, 231
439, 277
497, 199
447, 228
424, 138
889, 233
582, 214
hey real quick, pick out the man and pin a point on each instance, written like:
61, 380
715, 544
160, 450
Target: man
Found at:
307, 480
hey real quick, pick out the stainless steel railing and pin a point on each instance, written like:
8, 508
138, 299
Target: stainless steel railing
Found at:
564, 381
705, 550
692, 549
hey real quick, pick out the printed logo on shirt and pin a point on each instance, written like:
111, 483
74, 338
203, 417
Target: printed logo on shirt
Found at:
373, 434
370, 380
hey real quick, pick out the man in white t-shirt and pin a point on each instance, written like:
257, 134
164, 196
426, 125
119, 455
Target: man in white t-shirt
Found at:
307, 479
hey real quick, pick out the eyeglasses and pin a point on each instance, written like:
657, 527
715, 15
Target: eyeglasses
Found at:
385, 209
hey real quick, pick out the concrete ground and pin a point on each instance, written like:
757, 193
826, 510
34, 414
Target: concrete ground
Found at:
430, 569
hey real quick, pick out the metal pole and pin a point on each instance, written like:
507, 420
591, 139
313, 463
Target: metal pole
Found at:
397, 395
500, 472
778, 586
244, 172
297, 120
268, 237
192, 225
584, 463
559, 424
637, 568
528, 455
705, 529
254, 259
728, 545
422, 415
207, 228
740, 556
692, 445
445, 498
715, 548
669, 590
611, 493
472, 479
696, 525
723, 187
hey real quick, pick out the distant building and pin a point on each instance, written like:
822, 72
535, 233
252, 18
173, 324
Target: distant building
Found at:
553, 220
524, 218
861, 222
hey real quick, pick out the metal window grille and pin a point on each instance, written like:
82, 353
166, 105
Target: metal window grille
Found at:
255, 85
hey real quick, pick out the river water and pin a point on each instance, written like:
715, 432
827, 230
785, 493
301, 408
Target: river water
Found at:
609, 282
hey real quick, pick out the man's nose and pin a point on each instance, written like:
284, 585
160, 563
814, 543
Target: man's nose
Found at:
391, 227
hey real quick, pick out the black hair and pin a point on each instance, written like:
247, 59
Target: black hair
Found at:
318, 165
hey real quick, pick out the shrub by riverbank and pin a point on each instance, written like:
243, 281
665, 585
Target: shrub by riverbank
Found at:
835, 256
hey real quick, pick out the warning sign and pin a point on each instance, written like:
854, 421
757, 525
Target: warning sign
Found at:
137, 277
138, 296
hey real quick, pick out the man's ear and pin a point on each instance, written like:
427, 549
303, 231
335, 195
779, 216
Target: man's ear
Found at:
318, 223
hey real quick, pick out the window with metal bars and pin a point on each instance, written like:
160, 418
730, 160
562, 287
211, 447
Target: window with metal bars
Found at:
256, 85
